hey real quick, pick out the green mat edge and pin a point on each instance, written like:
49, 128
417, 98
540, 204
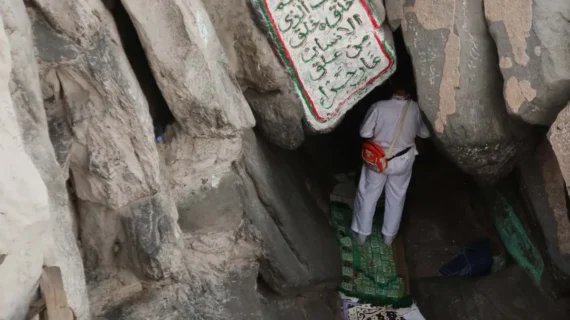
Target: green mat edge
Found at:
403, 302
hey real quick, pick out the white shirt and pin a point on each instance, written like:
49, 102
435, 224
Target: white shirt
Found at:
382, 120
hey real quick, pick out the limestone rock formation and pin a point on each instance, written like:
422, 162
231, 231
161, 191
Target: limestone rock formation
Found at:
60, 246
22, 219
394, 13
458, 81
276, 106
263, 266
532, 38
543, 187
130, 192
198, 173
299, 248
127, 221
190, 67
559, 137
280, 116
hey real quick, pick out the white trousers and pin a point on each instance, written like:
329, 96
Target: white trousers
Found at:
396, 179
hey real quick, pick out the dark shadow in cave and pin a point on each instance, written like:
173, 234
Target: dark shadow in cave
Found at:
158, 107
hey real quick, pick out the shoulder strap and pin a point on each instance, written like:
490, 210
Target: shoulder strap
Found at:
399, 129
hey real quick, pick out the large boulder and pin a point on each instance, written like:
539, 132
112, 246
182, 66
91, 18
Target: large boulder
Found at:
224, 284
24, 205
544, 214
198, 83
190, 67
266, 84
127, 220
59, 240
532, 38
299, 248
198, 173
458, 81
559, 137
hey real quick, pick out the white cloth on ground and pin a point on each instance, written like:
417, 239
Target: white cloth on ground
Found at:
380, 125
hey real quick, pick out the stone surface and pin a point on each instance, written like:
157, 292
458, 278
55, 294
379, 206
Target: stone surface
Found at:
110, 167
127, 219
509, 294
197, 171
61, 246
542, 185
265, 82
247, 48
394, 13
458, 83
213, 209
280, 116
532, 37
22, 219
190, 67
224, 284
299, 248
559, 137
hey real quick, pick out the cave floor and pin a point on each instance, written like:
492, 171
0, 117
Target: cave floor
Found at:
441, 216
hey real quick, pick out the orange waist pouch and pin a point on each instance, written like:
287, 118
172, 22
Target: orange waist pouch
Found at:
374, 156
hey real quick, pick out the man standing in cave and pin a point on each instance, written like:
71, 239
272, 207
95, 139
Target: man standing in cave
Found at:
381, 125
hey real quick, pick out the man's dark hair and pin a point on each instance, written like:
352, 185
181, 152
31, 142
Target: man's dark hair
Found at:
399, 84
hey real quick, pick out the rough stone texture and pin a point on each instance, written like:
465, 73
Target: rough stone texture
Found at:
221, 283
100, 92
559, 137
127, 219
215, 208
280, 116
22, 218
299, 248
543, 188
61, 246
224, 284
394, 13
190, 67
506, 295
265, 82
247, 48
198, 174
459, 90
533, 41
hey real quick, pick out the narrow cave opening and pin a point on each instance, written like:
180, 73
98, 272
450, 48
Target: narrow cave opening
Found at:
434, 227
158, 107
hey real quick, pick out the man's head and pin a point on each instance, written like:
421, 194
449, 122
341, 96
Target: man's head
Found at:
400, 92
398, 87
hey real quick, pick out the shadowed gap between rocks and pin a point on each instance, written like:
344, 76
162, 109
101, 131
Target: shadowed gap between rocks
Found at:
159, 110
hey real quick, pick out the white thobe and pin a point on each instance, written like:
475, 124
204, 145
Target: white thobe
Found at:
380, 124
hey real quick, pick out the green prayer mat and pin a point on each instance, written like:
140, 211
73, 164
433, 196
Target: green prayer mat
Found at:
368, 272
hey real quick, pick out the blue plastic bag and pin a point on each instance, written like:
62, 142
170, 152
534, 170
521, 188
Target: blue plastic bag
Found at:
476, 259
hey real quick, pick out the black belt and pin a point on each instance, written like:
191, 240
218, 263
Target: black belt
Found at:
401, 153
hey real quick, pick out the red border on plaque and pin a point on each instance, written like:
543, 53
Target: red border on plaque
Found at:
376, 26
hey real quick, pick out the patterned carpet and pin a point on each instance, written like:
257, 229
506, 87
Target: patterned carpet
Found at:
371, 287
368, 272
